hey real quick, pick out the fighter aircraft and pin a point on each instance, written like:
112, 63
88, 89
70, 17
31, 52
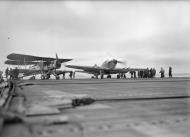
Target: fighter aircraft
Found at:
45, 66
107, 68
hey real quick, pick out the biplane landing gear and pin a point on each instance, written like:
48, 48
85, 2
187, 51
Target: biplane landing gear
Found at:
118, 76
57, 77
42, 77
48, 77
95, 76
32, 78
109, 76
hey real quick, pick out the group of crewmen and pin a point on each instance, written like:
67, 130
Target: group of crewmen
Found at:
13, 74
162, 71
147, 73
71, 74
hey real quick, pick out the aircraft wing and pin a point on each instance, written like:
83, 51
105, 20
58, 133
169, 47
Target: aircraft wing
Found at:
118, 70
28, 72
121, 70
20, 62
22, 57
88, 69
137, 69
96, 70
59, 72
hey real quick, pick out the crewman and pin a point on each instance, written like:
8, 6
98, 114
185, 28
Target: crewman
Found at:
1, 76
150, 73
146, 73
170, 72
141, 73
71, 74
63, 75
153, 72
7, 72
162, 71
118, 76
11, 73
131, 72
134, 74
16, 73
138, 74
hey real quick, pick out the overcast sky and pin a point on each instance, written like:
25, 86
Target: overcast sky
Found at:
143, 33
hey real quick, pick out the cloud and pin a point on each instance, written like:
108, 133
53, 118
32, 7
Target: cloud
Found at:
144, 33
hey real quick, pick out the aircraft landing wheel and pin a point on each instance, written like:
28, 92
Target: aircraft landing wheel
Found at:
95, 77
109, 76
42, 77
48, 76
33, 77
57, 77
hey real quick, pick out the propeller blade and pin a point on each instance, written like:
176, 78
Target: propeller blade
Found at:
57, 62
122, 62
56, 56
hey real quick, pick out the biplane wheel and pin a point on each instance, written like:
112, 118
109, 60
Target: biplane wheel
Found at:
57, 77
42, 77
33, 77
48, 77
109, 76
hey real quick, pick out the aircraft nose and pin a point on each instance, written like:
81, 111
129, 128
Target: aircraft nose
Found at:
115, 61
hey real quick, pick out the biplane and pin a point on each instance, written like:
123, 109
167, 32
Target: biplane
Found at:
45, 66
107, 68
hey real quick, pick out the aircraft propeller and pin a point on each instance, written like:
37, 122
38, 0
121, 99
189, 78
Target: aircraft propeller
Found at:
122, 62
57, 62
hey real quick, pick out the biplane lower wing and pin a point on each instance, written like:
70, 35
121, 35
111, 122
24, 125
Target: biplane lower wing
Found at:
29, 72
20, 62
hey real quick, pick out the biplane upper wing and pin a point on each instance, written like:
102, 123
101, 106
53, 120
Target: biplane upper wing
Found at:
24, 58
64, 60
